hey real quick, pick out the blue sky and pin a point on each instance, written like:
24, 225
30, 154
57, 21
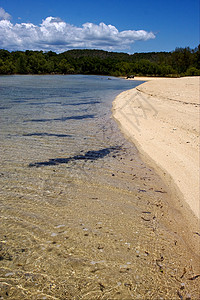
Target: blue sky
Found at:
137, 26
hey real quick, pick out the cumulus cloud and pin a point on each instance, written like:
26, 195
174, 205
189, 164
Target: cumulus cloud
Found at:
4, 15
56, 35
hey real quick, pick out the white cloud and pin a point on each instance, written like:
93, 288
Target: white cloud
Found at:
4, 15
57, 35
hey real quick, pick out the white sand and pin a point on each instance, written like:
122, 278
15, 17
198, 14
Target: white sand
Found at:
161, 117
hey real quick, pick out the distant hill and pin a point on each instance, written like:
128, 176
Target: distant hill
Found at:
180, 62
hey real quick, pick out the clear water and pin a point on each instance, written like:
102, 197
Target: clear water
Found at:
82, 217
70, 111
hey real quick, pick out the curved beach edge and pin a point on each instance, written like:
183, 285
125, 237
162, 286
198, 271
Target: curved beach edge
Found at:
161, 117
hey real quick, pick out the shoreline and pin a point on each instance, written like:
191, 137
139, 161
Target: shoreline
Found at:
82, 214
161, 117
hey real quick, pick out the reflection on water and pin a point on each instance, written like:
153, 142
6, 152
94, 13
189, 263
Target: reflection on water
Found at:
81, 216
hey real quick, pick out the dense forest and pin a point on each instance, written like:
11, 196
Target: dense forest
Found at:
180, 62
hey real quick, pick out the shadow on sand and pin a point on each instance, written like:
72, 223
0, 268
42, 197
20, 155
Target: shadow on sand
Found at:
81, 103
47, 134
90, 155
63, 119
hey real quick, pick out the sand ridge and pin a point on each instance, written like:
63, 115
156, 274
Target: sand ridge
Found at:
162, 117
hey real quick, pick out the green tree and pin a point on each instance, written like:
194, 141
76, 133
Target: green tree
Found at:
21, 64
65, 68
6, 67
192, 71
182, 61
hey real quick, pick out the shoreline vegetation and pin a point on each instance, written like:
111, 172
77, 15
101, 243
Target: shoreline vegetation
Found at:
178, 63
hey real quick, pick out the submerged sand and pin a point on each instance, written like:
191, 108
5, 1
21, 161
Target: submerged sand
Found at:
162, 117
88, 228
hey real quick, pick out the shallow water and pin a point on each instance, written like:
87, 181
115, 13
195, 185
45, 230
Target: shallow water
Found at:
81, 214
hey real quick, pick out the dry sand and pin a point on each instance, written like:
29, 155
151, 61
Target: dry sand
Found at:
161, 117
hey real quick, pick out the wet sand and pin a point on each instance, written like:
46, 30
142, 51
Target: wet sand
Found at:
100, 236
162, 117
95, 225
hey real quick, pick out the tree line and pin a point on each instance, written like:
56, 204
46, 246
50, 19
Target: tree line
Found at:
180, 62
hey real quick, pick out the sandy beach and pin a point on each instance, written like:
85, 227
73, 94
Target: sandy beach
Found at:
162, 117
83, 215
